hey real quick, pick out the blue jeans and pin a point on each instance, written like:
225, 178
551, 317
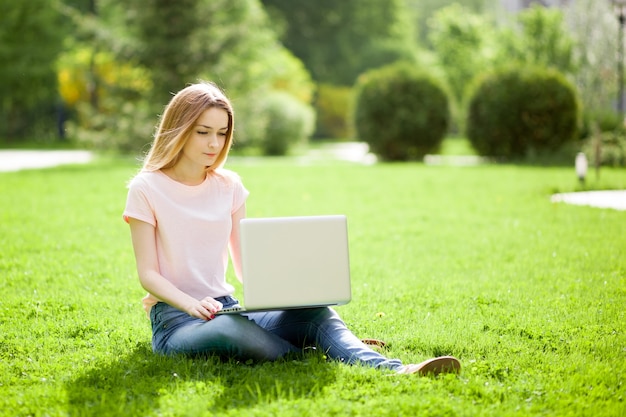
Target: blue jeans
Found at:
261, 336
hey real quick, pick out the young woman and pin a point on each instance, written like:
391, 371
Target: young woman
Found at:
184, 211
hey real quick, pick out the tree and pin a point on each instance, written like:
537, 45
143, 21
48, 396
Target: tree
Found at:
31, 38
229, 41
164, 29
539, 38
422, 12
464, 45
338, 40
226, 41
594, 30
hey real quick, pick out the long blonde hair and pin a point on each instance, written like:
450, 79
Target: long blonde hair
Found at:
178, 120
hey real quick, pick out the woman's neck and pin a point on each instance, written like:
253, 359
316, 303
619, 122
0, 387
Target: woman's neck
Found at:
185, 176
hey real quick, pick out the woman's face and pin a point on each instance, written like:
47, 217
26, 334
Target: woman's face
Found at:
207, 138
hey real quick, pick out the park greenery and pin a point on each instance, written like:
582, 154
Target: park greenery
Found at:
97, 73
472, 261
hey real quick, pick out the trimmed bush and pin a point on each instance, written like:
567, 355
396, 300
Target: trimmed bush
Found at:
289, 122
400, 112
518, 112
332, 105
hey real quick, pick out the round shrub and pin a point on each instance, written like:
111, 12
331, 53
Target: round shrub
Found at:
332, 104
516, 112
289, 122
400, 112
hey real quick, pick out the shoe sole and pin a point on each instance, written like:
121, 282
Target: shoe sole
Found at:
434, 366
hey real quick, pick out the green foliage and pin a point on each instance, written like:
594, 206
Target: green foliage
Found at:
289, 122
422, 11
87, 75
604, 120
515, 112
463, 42
164, 30
528, 294
606, 148
541, 39
339, 40
271, 122
332, 104
285, 72
400, 112
105, 97
128, 129
117, 96
594, 29
268, 67
31, 35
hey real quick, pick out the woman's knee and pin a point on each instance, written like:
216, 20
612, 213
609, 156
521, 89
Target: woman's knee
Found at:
231, 329
322, 315
247, 340
217, 335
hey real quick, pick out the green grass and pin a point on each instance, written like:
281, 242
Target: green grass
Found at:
474, 262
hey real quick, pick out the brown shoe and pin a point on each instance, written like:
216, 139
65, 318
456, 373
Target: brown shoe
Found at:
434, 366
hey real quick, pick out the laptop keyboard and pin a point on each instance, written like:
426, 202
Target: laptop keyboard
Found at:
230, 309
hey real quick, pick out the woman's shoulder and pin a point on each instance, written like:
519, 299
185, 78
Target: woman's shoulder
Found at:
143, 179
229, 177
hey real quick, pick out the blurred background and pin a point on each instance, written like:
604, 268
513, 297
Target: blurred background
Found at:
95, 74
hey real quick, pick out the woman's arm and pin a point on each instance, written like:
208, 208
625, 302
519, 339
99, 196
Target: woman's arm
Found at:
144, 245
235, 243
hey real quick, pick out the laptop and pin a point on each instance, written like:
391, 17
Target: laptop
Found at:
293, 262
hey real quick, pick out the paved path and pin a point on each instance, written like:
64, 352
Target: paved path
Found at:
16, 160
613, 199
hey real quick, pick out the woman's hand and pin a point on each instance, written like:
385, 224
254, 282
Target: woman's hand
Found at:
204, 309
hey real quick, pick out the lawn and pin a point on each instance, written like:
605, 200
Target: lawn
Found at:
470, 261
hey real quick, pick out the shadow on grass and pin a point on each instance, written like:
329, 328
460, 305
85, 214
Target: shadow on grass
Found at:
142, 383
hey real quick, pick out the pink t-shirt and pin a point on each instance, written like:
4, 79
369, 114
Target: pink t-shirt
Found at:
193, 226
